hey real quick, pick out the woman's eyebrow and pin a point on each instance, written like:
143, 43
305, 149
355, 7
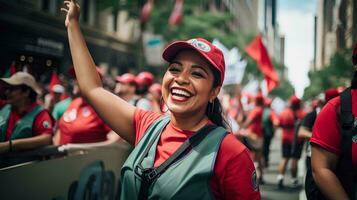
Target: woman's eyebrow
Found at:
200, 67
176, 62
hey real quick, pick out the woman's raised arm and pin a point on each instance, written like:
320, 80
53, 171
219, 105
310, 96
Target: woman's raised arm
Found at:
116, 112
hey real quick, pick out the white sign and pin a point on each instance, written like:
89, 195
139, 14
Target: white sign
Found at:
153, 48
235, 66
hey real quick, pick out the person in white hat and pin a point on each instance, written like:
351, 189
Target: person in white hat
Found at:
53, 97
23, 123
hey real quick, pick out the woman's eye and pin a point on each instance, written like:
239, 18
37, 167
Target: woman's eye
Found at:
198, 74
173, 69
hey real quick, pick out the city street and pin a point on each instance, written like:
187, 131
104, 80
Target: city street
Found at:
269, 190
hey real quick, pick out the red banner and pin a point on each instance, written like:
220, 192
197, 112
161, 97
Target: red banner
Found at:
258, 52
176, 15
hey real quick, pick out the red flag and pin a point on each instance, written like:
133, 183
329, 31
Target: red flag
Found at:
258, 52
54, 81
176, 15
146, 11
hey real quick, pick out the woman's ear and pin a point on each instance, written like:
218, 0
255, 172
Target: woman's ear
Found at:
215, 92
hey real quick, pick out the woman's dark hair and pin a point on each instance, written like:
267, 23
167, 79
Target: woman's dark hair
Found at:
295, 107
214, 110
259, 102
354, 81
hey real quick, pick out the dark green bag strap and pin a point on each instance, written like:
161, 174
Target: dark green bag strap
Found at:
346, 121
347, 125
149, 175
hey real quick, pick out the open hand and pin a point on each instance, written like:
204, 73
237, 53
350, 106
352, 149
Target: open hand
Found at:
72, 11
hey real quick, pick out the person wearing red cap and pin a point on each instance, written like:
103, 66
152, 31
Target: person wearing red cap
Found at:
154, 96
24, 124
291, 147
143, 81
126, 87
253, 123
333, 151
187, 154
270, 120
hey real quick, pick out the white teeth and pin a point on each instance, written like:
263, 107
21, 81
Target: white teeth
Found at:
181, 92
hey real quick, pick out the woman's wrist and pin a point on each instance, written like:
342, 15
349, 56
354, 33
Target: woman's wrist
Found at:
73, 22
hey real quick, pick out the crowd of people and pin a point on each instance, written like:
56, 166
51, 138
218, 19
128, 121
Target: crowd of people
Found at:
185, 127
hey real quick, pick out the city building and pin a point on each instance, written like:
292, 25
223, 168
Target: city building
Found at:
335, 29
33, 35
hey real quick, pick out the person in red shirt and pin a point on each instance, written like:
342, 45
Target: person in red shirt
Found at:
326, 148
270, 121
24, 124
190, 87
288, 119
80, 123
255, 133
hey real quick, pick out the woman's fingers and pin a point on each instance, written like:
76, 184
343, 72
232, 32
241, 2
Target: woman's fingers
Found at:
64, 10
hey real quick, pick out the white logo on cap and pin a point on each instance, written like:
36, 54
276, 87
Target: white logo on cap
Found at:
199, 45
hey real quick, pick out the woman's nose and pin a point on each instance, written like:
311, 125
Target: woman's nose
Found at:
183, 78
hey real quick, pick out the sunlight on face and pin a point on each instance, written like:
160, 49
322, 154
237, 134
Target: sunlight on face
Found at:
188, 84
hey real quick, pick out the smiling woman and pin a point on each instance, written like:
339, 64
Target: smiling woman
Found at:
179, 153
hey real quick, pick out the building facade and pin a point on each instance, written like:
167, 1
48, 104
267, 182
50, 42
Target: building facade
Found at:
33, 35
335, 29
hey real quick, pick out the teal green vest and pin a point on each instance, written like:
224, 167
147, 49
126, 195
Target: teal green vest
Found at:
187, 178
23, 128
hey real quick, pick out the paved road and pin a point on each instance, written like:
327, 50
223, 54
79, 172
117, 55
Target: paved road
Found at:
269, 190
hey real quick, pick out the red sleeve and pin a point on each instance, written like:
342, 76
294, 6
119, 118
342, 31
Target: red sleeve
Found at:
253, 114
234, 174
326, 131
142, 120
274, 117
286, 118
43, 123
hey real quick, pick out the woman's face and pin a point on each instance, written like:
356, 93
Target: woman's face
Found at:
187, 85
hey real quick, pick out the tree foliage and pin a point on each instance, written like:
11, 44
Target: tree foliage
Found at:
337, 73
198, 21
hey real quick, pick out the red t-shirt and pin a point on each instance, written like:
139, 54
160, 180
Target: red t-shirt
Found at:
255, 116
274, 117
43, 123
287, 120
81, 124
233, 169
326, 131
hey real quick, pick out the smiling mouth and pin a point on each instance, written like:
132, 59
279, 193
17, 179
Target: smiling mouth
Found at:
180, 95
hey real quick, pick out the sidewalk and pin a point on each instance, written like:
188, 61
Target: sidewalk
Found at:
269, 190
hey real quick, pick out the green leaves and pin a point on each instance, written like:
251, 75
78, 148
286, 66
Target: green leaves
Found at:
337, 73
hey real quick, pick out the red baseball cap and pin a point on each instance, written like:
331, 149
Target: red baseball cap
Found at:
205, 48
294, 100
330, 94
126, 78
156, 87
268, 101
144, 78
259, 97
